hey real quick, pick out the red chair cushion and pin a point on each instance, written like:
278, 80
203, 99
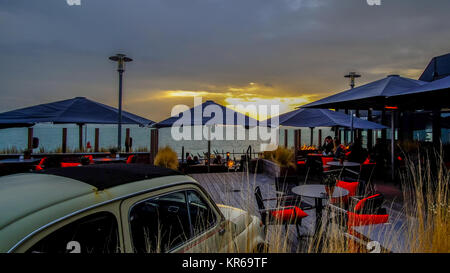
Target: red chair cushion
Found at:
352, 187
288, 214
90, 157
130, 159
301, 162
355, 219
325, 160
361, 203
69, 164
39, 166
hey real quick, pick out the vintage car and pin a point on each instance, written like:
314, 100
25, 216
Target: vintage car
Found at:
125, 208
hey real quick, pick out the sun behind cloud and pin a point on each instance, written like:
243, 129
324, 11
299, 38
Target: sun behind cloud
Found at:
239, 97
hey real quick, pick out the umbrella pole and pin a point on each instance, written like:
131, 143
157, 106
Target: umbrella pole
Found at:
351, 131
209, 148
312, 136
392, 145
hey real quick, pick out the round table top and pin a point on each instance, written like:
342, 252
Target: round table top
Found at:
318, 191
345, 164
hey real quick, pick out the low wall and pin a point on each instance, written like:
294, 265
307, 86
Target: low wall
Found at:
270, 168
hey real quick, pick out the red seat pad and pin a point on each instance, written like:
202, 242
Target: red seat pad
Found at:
361, 203
39, 166
352, 187
69, 164
355, 219
288, 214
325, 160
129, 159
301, 162
90, 157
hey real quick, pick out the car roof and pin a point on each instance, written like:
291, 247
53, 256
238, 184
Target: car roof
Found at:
29, 201
103, 176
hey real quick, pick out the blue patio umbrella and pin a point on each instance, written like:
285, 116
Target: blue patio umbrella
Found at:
435, 94
78, 110
234, 118
371, 95
306, 117
210, 114
310, 117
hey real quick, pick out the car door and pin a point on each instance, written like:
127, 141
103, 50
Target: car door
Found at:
179, 219
95, 231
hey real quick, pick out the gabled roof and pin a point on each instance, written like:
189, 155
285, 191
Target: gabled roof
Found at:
438, 68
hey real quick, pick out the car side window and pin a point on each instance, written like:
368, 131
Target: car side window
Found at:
202, 215
159, 224
96, 233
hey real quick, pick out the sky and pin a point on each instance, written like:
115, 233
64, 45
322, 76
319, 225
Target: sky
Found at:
289, 52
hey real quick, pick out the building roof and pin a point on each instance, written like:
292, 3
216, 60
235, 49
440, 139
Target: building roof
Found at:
438, 68
29, 201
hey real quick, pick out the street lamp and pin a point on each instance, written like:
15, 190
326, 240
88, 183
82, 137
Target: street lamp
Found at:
352, 76
121, 59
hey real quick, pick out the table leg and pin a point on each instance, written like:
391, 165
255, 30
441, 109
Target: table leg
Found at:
319, 208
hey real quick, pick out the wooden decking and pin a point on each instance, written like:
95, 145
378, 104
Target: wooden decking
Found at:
237, 190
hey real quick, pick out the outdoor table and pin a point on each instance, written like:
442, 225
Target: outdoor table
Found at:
319, 193
391, 236
106, 160
344, 164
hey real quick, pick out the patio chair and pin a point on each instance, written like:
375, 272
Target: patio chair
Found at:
367, 211
325, 161
47, 163
286, 215
131, 159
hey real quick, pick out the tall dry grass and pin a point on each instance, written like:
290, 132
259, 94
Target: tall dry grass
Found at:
421, 225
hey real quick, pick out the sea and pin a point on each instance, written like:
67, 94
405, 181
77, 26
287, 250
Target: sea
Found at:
50, 139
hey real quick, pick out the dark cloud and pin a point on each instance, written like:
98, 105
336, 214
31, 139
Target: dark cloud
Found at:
50, 50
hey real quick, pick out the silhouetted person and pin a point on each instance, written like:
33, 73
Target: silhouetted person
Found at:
189, 159
380, 153
339, 149
328, 145
356, 152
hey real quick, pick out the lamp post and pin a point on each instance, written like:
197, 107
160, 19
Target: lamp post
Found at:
352, 76
121, 59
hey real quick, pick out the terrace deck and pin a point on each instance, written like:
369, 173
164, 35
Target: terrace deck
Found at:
237, 190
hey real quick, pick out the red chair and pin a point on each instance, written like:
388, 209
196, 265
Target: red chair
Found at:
131, 159
70, 164
352, 188
367, 211
41, 165
287, 215
325, 161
